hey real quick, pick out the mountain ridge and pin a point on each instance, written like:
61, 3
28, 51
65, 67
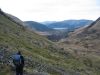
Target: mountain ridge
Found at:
37, 26
70, 24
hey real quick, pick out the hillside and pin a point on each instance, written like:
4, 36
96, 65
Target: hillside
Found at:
51, 34
42, 57
14, 18
37, 26
69, 25
87, 34
84, 43
15, 37
63, 28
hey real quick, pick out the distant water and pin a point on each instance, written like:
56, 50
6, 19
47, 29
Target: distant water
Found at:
60, 28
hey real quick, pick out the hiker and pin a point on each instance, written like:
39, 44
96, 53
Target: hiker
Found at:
18, 61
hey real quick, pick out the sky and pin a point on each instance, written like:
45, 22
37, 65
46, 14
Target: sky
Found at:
52, 10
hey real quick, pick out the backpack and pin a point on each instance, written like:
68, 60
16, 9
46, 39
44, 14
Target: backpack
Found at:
17, 60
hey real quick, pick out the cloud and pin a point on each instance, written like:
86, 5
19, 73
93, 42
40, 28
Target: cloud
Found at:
41, 10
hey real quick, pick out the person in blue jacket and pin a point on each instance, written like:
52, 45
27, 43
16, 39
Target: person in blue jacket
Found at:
18, 61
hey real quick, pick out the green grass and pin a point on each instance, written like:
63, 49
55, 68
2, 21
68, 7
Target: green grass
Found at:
42, 53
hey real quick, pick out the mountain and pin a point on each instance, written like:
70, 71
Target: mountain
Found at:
65, 27
48, 22
56, 31
40, 29
89, 36
87, 33
84, 43
42, 57
37, 26
51, 34
69, 25
79, 54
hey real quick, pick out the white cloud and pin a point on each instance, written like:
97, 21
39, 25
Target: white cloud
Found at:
41, 10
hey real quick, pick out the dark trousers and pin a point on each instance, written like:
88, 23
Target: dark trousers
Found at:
19, 70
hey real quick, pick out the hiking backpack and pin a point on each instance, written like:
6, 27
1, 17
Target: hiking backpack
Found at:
17, 60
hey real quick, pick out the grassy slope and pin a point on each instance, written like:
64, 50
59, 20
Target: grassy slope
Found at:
41, 55
85, 45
